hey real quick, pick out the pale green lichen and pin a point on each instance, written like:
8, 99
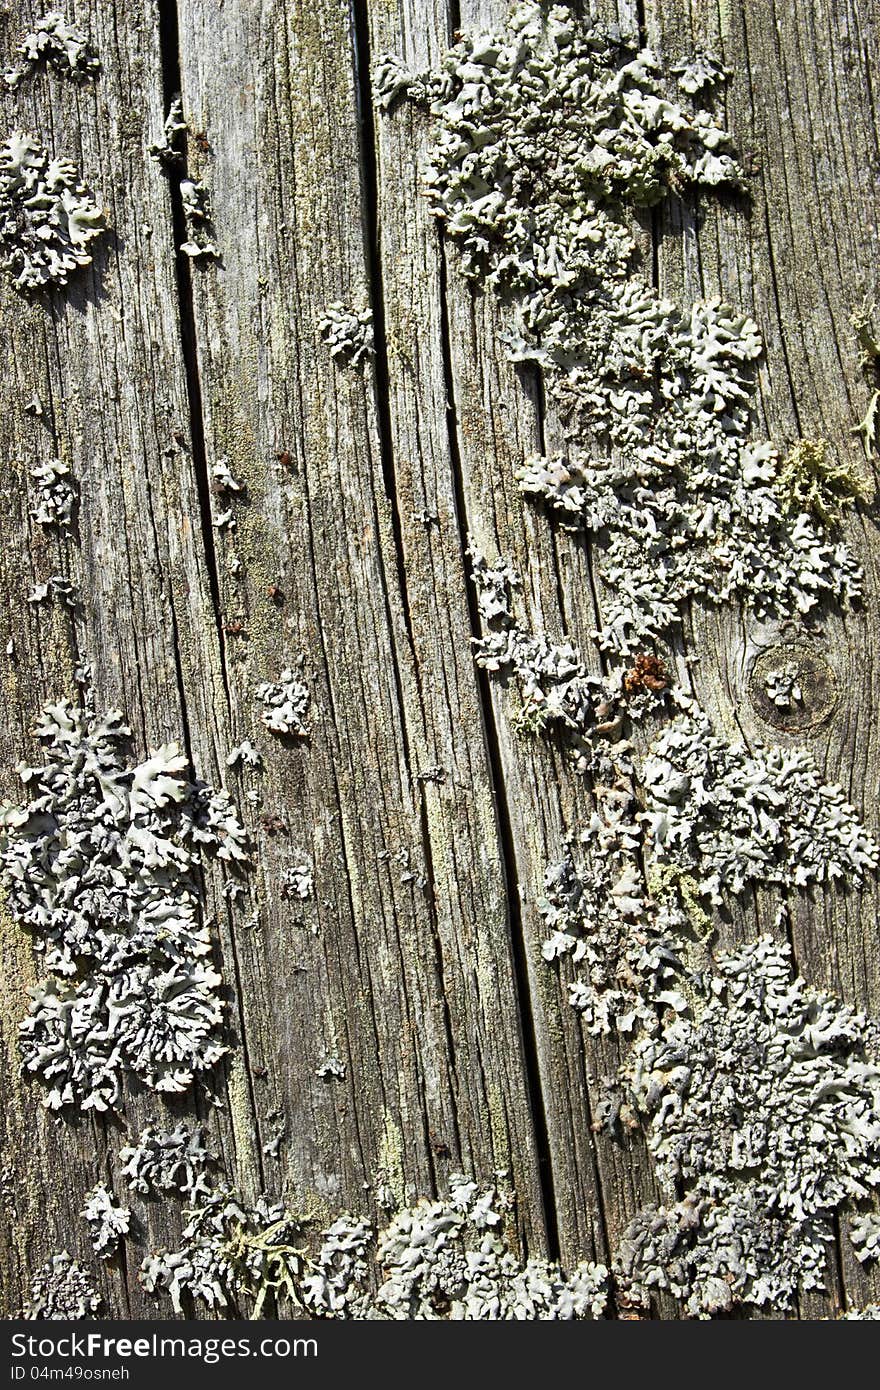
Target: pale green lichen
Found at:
547, 133
101, 865
764, 1119
446, 1259
48, 220
868, 428
812, 481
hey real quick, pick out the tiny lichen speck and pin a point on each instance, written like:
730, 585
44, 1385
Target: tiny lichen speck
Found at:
348, 333
107, 1222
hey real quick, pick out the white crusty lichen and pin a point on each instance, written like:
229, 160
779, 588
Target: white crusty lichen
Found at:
348, 333
624, 944
56, 43
200, 243
164, 1161
285, 705
782, 686
55, 587
868, 428
734, 817
447, 1259
298, 881
244, 754
762, 1096
547, 132
61, 1290
763, 1113
166, 150
494, 584
864, 1232
332, 1068
55, 494
101, 865
107, 1222
48, 220
700, 73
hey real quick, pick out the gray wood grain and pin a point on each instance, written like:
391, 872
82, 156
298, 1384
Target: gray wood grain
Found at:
409, 972
428, 820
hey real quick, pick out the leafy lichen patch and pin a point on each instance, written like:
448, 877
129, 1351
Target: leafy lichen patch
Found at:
348, 333
624, 944
62, 1291
793, 687
231, 1251
101, 866
734, 817
439, 1260
864, 1232
764, 1118
107, 1221
677, 830
164, 1161
285, 705
48, 220
168, 149
56, 43
547, 133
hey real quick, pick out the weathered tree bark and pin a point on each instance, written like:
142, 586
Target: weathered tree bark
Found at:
429, 822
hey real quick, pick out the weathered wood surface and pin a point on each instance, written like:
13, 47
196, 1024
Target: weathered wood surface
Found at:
418, 963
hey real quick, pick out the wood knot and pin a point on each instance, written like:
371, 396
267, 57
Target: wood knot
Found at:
792, 687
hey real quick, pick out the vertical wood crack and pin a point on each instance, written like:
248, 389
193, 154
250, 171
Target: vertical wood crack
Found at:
169, 46
370, 215
506, 844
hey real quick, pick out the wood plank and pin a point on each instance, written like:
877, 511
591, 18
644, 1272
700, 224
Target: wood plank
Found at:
428, 821
799, 252
597, 1183
408, 974
104, 359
